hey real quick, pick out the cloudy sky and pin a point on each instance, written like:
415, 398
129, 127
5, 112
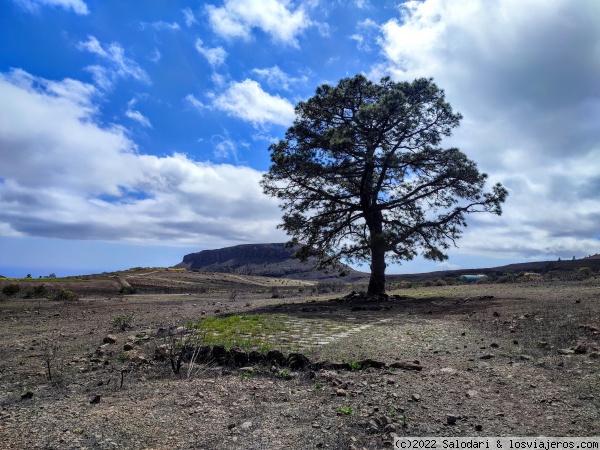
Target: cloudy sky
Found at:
132, 133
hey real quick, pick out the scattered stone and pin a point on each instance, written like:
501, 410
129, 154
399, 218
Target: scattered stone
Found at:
162, 352
565, 351
341, 392
581, 349
472, 393
526, 357
231, 426
543, 344
109, 339
128, 346
407, 365
247, 369
334, 365
590, 328
494, 345
496, 314
487, 356
478, 427
95, 400
26, 395
246, 425
451, 419
372, 363
595, 355
415, 397
448, 370
135, 357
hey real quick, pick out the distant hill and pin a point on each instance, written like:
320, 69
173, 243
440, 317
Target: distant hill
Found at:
275, 260
541, 267
269, 260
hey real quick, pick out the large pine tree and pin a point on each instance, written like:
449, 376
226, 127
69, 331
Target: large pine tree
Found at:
361, 176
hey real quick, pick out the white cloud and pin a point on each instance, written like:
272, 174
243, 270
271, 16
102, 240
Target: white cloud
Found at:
248, 101
366, 35
225, 147
156, 56
190, 19
120, 66
191, 100
77, 6
161, 25
236, 19
524, 75
215, 56
66, 176
136, 115
277, 78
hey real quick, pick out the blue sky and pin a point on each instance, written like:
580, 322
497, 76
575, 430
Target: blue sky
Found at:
132, 133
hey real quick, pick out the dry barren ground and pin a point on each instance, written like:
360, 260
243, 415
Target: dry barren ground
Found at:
498, 360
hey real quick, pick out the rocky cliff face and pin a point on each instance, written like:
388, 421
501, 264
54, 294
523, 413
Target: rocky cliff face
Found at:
272, 260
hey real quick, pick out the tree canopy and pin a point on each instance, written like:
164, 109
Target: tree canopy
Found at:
361, 175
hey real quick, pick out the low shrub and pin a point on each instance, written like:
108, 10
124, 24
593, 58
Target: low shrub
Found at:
64, 295
123, 321
37, 292
11, 290
127, 290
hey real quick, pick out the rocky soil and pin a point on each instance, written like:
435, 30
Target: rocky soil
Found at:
494, 360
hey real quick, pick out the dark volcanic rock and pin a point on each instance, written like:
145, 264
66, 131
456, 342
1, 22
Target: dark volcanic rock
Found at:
297, 361
240, 357
272, 260
275, 356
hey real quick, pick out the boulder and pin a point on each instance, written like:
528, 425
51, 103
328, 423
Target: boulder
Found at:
256, 357
109, 339
408, 366
276, 357
297, 361
372, 363
162, 352
239, 356
220, 353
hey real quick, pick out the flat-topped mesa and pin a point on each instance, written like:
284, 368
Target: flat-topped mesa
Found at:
272, 260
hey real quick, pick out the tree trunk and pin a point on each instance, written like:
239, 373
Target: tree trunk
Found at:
377, 280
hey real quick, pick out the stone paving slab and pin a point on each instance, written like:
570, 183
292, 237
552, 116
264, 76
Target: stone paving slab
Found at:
306, 333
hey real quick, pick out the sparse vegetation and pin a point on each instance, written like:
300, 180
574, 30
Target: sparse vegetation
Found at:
128, 290
355, 365
11, 290
522, 325
39, 291
63, 295
48, 355
247, 331
123, 321
346, 410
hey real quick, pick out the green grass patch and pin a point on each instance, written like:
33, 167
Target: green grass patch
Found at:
345, 410
248, 331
